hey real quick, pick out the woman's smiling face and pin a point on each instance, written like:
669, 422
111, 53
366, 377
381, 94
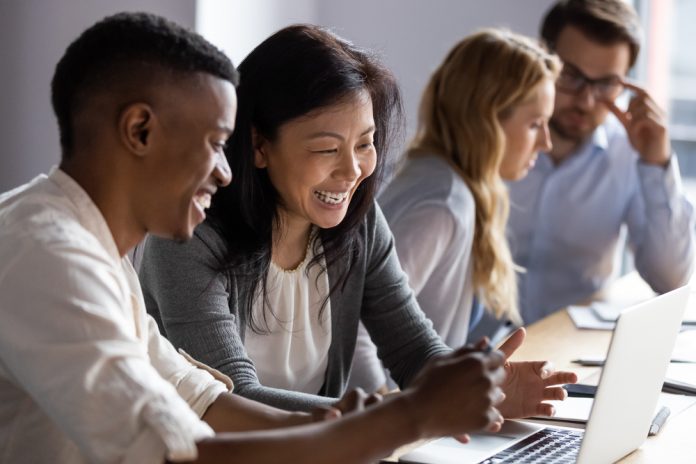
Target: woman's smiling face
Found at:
317, 161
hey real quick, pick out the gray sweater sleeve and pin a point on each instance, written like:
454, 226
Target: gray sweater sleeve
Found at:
404, 337
196, 307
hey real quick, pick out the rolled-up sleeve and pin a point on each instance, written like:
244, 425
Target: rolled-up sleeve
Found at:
66, 341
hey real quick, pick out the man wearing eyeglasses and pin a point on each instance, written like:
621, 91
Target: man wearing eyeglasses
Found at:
608, 168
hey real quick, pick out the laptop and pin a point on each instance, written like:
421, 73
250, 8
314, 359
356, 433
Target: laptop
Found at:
625, 401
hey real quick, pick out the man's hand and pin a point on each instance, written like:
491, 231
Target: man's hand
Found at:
646, 126
354, 400
529, 383
457, 393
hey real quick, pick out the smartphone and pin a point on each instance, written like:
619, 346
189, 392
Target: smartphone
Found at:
580, 390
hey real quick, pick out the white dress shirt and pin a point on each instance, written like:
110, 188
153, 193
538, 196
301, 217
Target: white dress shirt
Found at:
565, 223
84, 374
293, 353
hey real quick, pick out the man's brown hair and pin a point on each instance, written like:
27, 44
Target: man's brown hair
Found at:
605, 21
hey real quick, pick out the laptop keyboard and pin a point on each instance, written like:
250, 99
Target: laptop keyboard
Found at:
545, 446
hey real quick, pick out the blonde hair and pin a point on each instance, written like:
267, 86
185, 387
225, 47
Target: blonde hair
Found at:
478, 85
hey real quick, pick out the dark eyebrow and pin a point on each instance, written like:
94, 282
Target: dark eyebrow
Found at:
317, 135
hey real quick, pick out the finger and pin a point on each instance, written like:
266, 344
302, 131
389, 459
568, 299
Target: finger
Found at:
624, 118
352, 401
496, 395
545, 409
322, 413
483, 344
635, 88
560, 378
495, 420
554, 394
544, 369
513, 342
641, 112
466, 349
498, 375
463, 438
494, 359
374, 398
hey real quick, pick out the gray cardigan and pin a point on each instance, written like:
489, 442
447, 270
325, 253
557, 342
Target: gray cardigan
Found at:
196, 307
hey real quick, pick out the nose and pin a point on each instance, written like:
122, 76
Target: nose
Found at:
586, 98
544, 139
222, 172
349, 167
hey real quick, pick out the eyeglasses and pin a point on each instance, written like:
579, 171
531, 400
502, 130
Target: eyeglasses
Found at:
573, 81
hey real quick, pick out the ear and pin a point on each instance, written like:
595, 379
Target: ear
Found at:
259, 144
135, 128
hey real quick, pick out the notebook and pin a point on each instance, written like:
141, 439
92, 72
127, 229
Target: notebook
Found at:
627, 394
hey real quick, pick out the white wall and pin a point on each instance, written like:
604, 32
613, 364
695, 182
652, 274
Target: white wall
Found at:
412, 35
237, 26
415, 35
33, 37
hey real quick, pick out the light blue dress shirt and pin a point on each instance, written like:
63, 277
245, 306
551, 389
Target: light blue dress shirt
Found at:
565, 223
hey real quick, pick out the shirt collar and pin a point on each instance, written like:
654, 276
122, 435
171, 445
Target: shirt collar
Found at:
88, 213
600, 138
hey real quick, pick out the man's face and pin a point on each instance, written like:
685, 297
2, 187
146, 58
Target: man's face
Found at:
577, 115
187, 163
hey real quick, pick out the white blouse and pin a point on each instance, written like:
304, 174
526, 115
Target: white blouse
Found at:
293, 353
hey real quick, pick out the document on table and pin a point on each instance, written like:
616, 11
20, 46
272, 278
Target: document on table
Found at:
577, 410
602, 316
681, 378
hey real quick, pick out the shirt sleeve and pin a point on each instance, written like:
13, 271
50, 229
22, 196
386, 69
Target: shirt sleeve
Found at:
660, 223
65, 340
197, 305
404, 337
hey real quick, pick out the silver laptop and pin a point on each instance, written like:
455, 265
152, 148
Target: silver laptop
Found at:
626, 398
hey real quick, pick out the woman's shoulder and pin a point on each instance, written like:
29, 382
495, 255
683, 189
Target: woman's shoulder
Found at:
206, 241
427, 182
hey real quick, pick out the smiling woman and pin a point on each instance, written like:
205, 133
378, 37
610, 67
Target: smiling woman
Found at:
296, 252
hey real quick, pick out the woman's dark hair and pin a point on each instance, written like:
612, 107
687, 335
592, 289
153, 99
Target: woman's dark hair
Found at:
297, 70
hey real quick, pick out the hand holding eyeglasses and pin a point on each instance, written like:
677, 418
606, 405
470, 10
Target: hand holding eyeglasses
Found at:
646, 126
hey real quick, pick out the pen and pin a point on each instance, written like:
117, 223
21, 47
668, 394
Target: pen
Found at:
589, 361
659, 420
598, 362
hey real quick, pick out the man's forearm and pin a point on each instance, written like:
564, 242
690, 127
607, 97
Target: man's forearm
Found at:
233, 413
351, 439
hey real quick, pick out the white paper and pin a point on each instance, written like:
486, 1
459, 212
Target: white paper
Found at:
584, 318
574, 409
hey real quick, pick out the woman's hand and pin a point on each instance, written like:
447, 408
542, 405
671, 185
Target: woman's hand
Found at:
529, 383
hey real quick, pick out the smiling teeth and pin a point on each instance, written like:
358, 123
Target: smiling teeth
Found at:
332, 198
203, 200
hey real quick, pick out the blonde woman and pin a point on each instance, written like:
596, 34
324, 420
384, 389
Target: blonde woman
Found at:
483, 118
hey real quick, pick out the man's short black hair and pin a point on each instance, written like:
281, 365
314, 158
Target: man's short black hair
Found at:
127, 47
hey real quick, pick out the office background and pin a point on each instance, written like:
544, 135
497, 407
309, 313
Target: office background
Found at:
411, 35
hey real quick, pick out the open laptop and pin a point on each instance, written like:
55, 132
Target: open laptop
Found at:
625, 401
